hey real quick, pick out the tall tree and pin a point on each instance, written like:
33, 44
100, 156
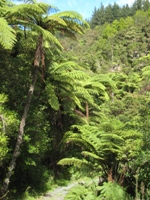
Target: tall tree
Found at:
98, 17
116, 11
109, 15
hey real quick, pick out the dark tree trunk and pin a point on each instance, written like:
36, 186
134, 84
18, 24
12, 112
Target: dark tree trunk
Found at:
12, 164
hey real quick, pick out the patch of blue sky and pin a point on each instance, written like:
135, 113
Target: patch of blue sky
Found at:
84, 7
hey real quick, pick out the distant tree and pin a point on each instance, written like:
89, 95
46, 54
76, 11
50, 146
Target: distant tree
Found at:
146, 5
116, 11
140, 5
98, 17
125, 11
109, 14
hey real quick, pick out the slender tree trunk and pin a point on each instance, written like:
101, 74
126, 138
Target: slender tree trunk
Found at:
12, 164
87, 111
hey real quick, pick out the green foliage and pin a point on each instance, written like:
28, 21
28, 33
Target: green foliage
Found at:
8, 123
90, 109
84, 190
52, 98
106, 147
75, 86
90, 190
7, 35
112, 191
80, 192
73, 161
146, 72
110, 13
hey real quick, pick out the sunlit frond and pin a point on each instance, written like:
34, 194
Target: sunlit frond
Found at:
73, 161
72, 16
7, 34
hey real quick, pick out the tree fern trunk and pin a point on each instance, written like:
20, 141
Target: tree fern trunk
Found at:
12, 164
110, 175
87, 111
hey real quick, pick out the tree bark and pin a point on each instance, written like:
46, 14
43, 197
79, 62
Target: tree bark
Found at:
110, 175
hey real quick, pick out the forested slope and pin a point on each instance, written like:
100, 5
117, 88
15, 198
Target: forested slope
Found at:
89, 112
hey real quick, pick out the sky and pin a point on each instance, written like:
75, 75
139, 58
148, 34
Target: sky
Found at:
84, 7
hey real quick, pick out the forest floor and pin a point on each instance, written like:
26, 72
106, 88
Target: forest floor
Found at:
58, 193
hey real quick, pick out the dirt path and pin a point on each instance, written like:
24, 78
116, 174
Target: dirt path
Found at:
58, 193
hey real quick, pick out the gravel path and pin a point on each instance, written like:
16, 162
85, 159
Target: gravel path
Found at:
58, 193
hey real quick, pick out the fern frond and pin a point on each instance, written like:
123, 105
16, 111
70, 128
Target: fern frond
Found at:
7, 34
83, 136
146, 71
81, 142
92, 155
66, 66
80, 75
52, 98
48, 36
73, 161
131, 134
72, 16
81, 129
77, 101
55, 22
113, 137
112, 191
22, 11
83, 92
107, 151
96, 85
105, 80
48, 9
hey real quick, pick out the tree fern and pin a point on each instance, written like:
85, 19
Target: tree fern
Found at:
105, 145
75, 84
48, 36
